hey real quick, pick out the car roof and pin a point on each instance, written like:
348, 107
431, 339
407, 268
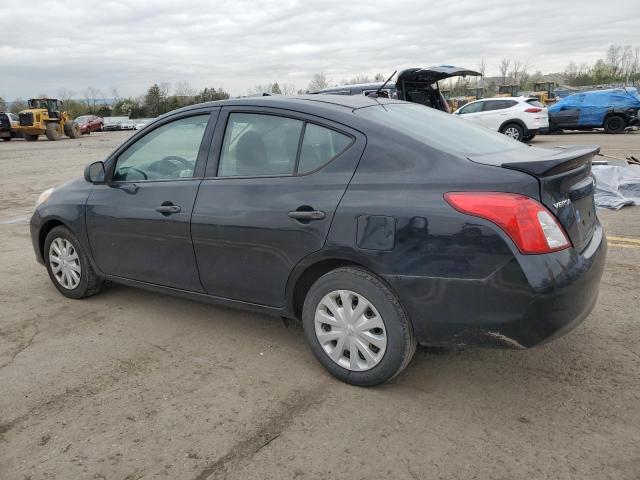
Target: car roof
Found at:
521, 98
305, 102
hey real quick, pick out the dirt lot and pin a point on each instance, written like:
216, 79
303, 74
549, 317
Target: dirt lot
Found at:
130, 385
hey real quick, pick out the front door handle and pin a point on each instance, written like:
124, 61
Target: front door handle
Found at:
307, 215
168, 208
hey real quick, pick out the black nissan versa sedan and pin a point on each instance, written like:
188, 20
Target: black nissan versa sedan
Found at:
379, 223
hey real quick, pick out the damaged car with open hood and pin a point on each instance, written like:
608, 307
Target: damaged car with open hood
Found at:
418, 85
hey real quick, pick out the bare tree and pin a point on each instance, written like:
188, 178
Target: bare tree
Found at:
65, 94
318, 82
571, 72
505, 63
184, 89
91, 96
482, 69
184, 92
288, 88
626, 63
614, 59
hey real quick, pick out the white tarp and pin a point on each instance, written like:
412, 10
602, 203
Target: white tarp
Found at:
616, 186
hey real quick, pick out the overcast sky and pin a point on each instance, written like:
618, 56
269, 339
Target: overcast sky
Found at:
128, 45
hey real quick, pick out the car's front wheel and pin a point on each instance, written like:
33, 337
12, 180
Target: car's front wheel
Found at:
68, 265
357, 328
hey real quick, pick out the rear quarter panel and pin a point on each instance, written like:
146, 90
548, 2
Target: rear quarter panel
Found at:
406, 181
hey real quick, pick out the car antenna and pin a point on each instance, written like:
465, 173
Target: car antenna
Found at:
375, 94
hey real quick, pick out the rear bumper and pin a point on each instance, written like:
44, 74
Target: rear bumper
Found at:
530, 300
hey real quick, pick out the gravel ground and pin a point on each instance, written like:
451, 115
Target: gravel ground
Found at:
130, 384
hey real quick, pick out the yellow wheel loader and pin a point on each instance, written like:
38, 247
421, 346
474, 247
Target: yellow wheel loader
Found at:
544, 92
46, 117
508, 90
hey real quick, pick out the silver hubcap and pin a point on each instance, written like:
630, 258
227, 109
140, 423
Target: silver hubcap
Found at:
64, 263
350, 330
512, 132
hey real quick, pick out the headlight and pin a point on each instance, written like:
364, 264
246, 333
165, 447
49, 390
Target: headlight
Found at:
43, 197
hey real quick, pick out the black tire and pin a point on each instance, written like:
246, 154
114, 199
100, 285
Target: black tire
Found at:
529, 137
401, 343
29, 138
90, 283
72, 130
614, 124
7, 139
514, 131
53, 131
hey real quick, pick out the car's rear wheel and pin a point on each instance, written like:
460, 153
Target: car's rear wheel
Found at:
68, 265
357, 328
513, 130
614, 124
7, 139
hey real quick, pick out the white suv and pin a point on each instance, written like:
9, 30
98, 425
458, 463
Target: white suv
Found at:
520, 118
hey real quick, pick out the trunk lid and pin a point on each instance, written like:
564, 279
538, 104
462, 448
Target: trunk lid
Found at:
433, 74
566, 185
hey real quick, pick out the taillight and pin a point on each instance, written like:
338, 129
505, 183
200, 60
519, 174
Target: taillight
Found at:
533, 110
527, 222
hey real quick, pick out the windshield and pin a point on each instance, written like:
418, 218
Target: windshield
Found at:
84, 118
440, 130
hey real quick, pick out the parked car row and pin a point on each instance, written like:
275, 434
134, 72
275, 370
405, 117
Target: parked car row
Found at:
90, 123
124, 123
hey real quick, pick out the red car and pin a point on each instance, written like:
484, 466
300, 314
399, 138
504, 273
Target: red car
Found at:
89, 123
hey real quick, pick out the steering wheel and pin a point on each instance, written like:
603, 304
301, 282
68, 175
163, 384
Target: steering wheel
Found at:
146, 177
169, 165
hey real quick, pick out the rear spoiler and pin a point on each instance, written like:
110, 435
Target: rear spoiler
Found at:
568, 158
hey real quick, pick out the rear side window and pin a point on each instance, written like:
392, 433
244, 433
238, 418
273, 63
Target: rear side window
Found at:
319, 146
498, 104
257, 144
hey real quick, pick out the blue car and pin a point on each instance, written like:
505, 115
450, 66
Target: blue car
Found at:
613, 109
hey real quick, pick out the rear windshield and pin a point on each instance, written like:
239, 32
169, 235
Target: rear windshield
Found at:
535, 103
440, 130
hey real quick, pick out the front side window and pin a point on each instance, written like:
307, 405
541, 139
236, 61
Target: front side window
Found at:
168, 152
258, 144
319, 146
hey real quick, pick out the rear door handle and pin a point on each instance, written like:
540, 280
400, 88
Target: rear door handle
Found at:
307, 214
168, 209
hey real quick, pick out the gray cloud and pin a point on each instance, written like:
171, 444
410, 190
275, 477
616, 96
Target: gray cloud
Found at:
47, 45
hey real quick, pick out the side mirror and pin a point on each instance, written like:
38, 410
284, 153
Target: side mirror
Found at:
95, 173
